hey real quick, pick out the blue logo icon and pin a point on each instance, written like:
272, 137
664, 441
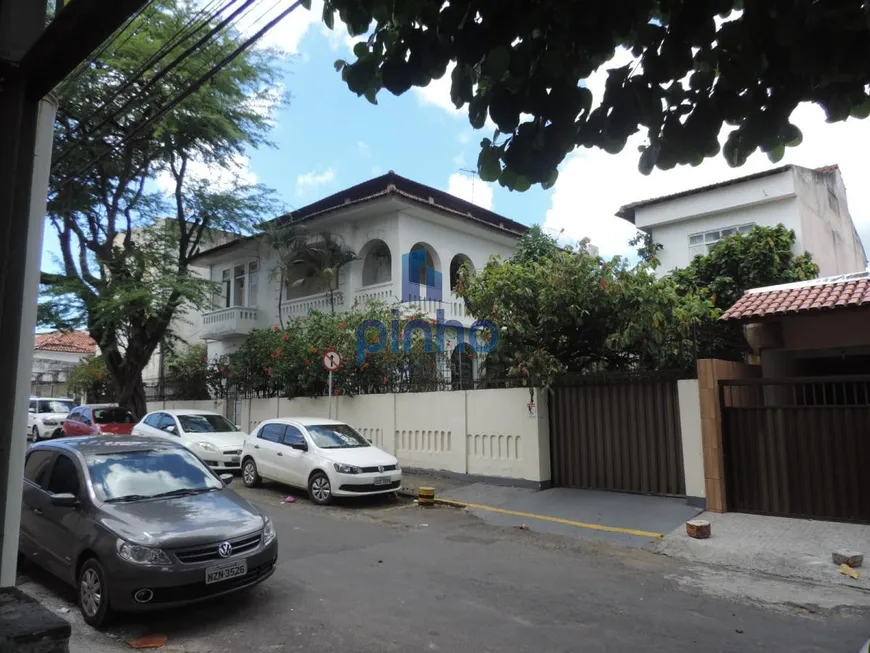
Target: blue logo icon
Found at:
419, 281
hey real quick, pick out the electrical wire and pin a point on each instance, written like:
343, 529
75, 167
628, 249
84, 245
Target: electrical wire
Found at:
195, 86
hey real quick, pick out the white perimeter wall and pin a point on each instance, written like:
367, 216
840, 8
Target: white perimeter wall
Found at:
480, 432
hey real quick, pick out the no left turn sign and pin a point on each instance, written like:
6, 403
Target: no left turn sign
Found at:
331, 361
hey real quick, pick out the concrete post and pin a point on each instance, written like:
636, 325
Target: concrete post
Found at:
17, 443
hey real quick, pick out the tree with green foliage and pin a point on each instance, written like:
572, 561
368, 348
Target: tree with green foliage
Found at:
535, 246
697, 65
187, 371
90, 379
572, 312
763, 257
126, 251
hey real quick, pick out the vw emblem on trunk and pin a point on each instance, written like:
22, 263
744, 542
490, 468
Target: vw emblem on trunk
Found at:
380, 468
225, 549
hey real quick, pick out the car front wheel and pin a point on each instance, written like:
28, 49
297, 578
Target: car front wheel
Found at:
319, 489
250, 476
94, 594
35, 434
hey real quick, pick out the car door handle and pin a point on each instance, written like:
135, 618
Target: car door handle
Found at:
280, 454
37, 511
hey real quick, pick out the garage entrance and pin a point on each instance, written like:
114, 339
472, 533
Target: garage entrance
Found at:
617, 432
798, 447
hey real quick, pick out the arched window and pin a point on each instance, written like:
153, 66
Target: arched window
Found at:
377, 263
458, 261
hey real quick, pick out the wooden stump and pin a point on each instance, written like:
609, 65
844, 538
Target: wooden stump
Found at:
698, 528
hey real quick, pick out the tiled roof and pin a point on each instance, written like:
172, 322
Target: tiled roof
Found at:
395, 185
77, 342
832, 293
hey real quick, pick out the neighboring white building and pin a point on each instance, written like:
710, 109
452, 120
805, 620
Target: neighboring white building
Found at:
54, 355
382, 220
810, 202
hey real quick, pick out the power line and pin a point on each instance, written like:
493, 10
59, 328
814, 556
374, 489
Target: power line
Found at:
187, 92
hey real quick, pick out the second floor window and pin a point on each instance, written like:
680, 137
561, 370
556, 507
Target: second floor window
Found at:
700, 244
239, 286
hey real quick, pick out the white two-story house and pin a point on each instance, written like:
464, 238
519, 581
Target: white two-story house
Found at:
812, 203
409, 239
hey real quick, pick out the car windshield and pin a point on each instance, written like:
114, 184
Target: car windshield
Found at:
55, 406
206, 424
336, 436
113, 416
141, 475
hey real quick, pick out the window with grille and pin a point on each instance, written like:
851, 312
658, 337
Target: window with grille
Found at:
700, 243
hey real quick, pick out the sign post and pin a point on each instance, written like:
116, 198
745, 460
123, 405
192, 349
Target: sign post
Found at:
331, 362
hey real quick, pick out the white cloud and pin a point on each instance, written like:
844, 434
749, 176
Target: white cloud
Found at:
464, 138
363, 148
459, 159
470, 189
312, 179
288, 33
220, 178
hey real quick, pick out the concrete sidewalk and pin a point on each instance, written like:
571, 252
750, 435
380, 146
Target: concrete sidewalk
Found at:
626, 519
796, 549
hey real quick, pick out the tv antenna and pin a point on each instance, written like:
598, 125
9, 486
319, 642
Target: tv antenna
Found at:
473, 174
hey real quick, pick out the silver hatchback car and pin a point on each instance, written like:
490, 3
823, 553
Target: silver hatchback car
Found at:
138, 523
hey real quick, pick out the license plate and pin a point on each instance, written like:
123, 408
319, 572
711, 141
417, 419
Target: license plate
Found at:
225, 572
383, 480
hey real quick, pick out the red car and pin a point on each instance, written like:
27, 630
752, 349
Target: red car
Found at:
98, 419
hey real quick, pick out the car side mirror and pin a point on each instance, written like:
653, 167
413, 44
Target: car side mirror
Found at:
170, 429
302, 446
226, 478
64, 500
31, 410
237, 427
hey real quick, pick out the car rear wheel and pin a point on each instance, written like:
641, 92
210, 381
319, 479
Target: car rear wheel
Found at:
94, 594
35, 434
250, 476
319, 489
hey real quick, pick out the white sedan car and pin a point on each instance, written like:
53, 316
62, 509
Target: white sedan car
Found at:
326, 457
210, 435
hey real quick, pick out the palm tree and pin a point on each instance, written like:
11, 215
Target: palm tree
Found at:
310, 259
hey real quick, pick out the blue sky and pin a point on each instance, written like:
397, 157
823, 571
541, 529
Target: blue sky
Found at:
329, 139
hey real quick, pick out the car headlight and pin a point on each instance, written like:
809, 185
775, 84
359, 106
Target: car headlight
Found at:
142, 555
208, 446
398, 466
48, 421
347, 469
268, 532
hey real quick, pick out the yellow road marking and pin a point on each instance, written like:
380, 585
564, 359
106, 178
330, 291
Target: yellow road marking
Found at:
558, 520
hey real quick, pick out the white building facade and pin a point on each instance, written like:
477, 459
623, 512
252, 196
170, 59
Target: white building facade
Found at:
409, 239
810, 202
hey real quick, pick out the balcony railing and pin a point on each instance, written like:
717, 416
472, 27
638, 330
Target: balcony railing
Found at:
379, 292
228, 322
304, 305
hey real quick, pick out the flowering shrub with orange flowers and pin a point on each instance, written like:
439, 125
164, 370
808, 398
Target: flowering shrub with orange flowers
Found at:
91, 378
287, 362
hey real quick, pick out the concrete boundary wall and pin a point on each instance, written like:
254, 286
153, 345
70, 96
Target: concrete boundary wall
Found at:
487, 433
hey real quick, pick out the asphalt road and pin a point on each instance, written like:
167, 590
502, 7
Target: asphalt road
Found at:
391, 576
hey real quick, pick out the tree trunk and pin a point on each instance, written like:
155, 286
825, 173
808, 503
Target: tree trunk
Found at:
280, 295
130, 391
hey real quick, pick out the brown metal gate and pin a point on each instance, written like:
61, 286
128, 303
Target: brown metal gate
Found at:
798, 447
617, 432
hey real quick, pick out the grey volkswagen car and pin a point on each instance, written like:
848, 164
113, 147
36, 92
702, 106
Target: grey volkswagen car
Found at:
138, 523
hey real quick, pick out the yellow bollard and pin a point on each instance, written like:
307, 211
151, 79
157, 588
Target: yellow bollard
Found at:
426, 496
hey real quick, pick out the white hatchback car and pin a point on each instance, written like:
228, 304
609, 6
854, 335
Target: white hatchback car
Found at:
45, 416
210, 435
326, 457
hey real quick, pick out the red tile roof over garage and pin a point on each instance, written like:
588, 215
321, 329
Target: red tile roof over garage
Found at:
831, 293
77, 342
